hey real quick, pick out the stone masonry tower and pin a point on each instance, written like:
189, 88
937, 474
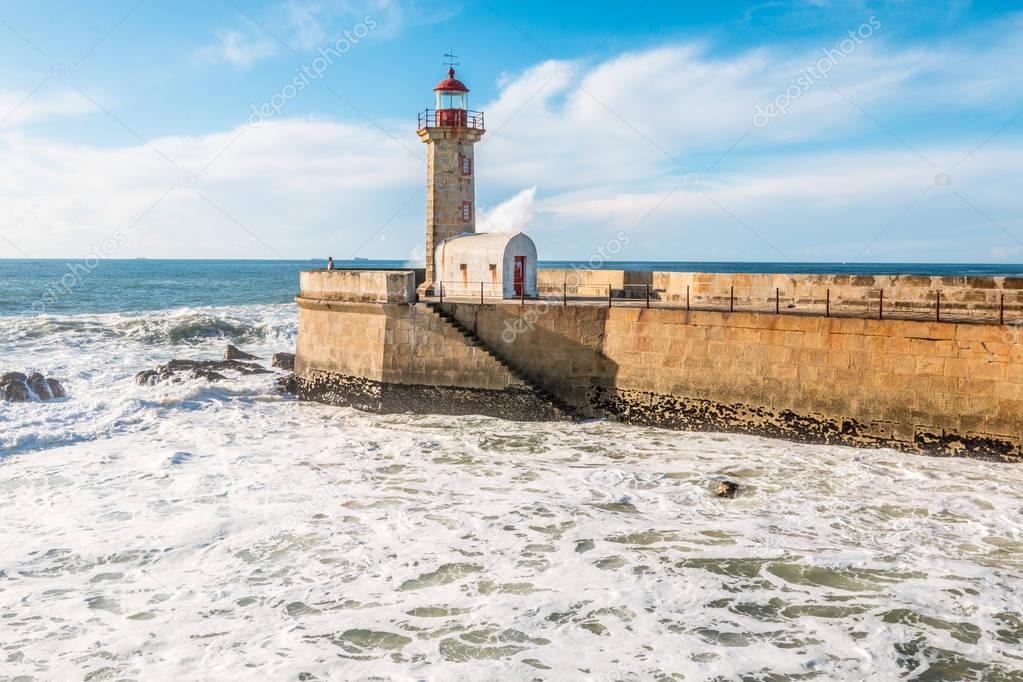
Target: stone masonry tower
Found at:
450, 132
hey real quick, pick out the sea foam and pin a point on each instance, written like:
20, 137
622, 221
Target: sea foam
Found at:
221, 531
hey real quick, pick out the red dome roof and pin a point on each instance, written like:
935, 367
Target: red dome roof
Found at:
450, 84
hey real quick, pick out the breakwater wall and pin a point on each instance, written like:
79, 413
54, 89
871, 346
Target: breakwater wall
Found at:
974, 297
364, 342
941, 388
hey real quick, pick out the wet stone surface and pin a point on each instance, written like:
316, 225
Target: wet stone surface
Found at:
17, 387
177, 371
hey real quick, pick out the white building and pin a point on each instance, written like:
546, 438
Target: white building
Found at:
497, 265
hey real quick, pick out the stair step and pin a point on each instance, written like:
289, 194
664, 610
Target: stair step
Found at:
476, 342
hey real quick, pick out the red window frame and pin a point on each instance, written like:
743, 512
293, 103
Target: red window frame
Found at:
466, 211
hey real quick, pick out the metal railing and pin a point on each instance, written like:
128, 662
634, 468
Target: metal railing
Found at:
473, 291
880, 304
451, 118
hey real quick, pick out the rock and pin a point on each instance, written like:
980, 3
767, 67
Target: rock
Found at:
177, 371
14, 392
288, 384
16, 387
727, 489
56, 389
37, 384
9, 377
285, 361
149, 377
233, 352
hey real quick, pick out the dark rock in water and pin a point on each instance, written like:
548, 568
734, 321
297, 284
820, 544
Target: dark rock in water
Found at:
285, 361
16, 387
233, 352
14, 392
56, 389
177, 371
288, 384
513, 403
10, 377
727, 489
37, 384
152, 377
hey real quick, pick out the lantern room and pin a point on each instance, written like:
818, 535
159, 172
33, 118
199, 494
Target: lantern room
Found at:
452, 106
452, 103
452, 93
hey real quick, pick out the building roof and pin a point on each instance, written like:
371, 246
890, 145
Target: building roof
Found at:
484, 241
451, 84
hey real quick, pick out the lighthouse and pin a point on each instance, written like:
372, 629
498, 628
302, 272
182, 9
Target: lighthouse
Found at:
450, 132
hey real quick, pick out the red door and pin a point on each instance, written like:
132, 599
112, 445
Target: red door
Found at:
520, 274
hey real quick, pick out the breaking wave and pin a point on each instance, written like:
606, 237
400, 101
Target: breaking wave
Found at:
251, 324
96, 357
192, 326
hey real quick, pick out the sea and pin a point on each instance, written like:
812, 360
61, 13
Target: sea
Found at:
224, 531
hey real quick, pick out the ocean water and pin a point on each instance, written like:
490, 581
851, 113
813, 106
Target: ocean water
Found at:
78, 286
224, 532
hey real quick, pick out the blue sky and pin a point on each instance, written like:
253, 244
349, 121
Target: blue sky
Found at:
704, 131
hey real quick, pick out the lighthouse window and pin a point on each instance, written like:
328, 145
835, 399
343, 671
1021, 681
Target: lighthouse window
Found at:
465, 163
466, 211
451, 100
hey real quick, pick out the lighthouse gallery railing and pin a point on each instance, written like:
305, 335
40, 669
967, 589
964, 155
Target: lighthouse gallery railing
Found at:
451, 118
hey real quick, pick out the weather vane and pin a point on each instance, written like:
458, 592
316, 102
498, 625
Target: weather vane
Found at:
451, 57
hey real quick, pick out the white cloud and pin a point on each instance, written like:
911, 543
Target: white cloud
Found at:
19, 108
299, 186
240, 49
511, 216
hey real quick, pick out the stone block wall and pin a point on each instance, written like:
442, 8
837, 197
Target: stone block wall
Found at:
564, 348
365, 286
859, 294
935, 387
852, 293
421, 348
399, 344
447, 186
391, 357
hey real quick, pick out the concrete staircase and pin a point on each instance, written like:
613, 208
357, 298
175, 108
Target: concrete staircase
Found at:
532, 382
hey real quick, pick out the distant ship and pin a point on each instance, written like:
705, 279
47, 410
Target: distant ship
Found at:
360, 260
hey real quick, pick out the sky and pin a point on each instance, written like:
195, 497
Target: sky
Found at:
781, 130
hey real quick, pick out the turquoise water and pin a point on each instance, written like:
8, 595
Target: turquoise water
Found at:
72, 287
76, 287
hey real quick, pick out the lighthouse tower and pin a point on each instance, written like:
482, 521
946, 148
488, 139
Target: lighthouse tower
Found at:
450, 132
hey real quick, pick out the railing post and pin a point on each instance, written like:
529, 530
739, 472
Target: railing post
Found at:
442, 292
522, 293
880, 307
1001, 310
731, 300
481, 293
565, 294
777, 301
687, 297
608, 295
647, 295
827, 303
937, 309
